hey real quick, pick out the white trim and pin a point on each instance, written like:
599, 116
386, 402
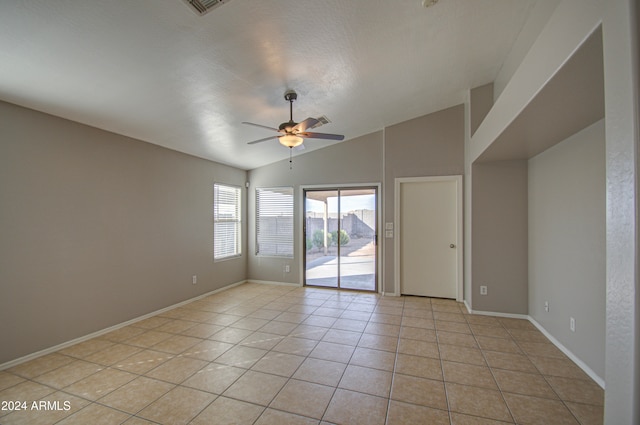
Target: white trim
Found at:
272, 282
582, 365
460, 230
379, 230
101, 332
496, 314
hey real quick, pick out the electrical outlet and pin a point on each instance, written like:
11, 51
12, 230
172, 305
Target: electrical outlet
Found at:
483, 290
572, 324
194, 279
287, 268
546, 306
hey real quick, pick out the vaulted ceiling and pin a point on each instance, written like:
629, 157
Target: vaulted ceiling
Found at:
156, 71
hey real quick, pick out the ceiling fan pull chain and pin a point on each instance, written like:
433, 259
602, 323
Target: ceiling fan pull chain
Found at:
290, 161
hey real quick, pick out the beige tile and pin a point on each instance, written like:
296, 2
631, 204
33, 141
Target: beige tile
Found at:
476, 401
455, 338
349, 407
474, 319
489, 330
303, 398
428, 335
276, 417
502, 345
207, 350
382, 309
321, 321
350, 325
298, 346
175, 326
449, 316
223, 319
418, 322
113, 354
143, 361
136, 395
256, 387
262, 340
421, 391
225, 411
202, 330
510, 323
338, 336
86, 348
356, 315
281, 364
379, 342
319, 371
309, 332
376, 359
176, 370
524, 383
366, 380
382, 329
240, 356
178, 406
48, 410
541, 349
424, 367
460, 419
539, 411
68, 374
334, 352
177, 344
26, 391
329, 312
459, 354
214, 378
278, 328
409, 414
525, 335
100, 384
552, 366
587, 414
290, 317
138, 421
122, 334
9, 380
41, 365
266, 314
231, 335
151, 322
149, 339
577, 390
388, 319
443, 325
95, 414
509, 361
249, 323
468, 374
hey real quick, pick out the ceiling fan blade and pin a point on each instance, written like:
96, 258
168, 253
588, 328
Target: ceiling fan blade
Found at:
327, 136
260, 125
304, 125
262, 140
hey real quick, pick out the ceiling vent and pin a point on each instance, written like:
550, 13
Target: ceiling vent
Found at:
202, 7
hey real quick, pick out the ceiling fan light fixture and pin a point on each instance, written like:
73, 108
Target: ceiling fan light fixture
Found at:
290, 140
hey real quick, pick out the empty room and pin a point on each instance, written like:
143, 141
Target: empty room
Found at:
334, 212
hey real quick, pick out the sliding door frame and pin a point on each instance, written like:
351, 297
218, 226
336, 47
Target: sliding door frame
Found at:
301, 223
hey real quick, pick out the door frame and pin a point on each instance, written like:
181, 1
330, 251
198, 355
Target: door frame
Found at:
301, 247
459, 220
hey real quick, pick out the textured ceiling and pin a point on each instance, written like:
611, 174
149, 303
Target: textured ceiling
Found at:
155, 71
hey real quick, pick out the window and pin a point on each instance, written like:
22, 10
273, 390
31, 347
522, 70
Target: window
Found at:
226, 221
274, 222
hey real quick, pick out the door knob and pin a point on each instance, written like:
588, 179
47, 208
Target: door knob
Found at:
452, 246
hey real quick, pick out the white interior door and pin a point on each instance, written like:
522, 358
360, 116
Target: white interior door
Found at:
428, 238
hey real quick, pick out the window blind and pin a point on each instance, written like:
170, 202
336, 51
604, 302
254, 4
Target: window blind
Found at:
274, 222
226, 221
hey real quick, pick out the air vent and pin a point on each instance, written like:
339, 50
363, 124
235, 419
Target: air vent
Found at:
321, 121
202, 7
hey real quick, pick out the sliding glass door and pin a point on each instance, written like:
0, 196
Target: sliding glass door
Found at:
340, 234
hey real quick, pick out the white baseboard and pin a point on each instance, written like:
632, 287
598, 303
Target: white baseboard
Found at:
101, 332
271, 282
497, 314
582, 365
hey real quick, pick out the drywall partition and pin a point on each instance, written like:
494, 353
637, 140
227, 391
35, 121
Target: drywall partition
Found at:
98, 229
480, 103
499, 236
431, 145
567, 243
355, 161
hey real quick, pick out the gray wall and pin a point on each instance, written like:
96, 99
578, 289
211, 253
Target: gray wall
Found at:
431, 145
356, 161
97, 229
499, 236
567, 225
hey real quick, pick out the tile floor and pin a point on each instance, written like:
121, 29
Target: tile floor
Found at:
264, 354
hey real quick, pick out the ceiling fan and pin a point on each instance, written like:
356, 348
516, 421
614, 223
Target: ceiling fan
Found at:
292, 133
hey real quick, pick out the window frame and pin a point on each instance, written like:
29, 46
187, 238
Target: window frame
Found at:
236, 218
277, 241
